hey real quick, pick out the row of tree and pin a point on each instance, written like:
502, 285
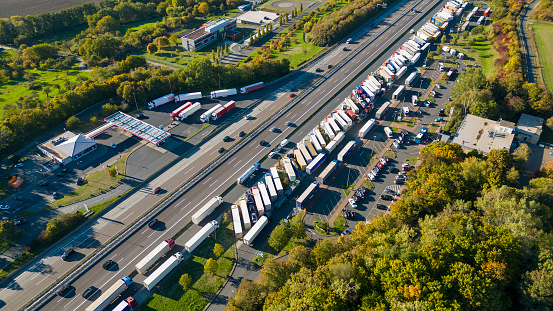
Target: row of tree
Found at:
544, 11
475, 244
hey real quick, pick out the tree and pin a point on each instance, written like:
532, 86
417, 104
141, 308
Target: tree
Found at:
455, 38
185, 281
550, 122
162, 41
174, 39
226, 48
280, 236
203, 8
439, 50
465, 34
500, 159
73, 123
301, 6
177, 3
218, 250
107, 24
521, 155
47, 90
471, 42
431, 54
222, 7
211, 266
112, 171
444, 39
7, 229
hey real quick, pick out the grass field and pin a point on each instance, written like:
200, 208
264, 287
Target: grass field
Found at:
482, 54
269, 6
171, 297
58, 37
33, 7
544, 39
139, 25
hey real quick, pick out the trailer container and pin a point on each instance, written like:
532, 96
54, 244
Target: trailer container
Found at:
223, 93
258, 201
339, 137
393, 64
236, 222
444, 26
438, 20
487, 12
465, 26
332, 122
306, 154
345, 117
425, 47
389, 72
384, 74
169, 265
252, 87
175, 113
301, 202
315, 142
230, 105
331, 146
469, 16
340, 122
480, 20
368, 92
328, 129
414, 44
402, 57
110, 294
311, 168
351, 115
431, 27
310, 148
146, 262
327, 172
218, 113
319, 137
423, 35
188, 96
300, 159
207, 209
161, 101
271, 187
248, 173
245, 214
401, 72
189, 111
256, 229
274, 172
370, 86
265, 196
289, 170
346, 151
399, 91
390, 67
411, 78
126, 305
374, 80
397, 60
408, 49
367, 127
206, 116
351, 104
419, 41
416, 58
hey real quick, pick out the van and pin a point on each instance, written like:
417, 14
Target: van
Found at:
405, 111
415, 100
67, 253
389, 132
284, 143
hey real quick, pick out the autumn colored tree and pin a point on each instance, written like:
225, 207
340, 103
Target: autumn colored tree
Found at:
73, 123
218, 250
211, 266
203, 8
185, 281
151, 48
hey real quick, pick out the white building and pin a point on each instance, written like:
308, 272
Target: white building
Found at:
67, 147
484, 134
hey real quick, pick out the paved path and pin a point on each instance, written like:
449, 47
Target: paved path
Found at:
529, 55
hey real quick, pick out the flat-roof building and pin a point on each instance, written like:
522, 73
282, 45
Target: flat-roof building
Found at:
484, 134
257, 17
67, 147
529, 128
223, 28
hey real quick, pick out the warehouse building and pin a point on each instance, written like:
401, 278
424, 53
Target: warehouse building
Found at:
529, 128
257, 18
484, 134
224, 28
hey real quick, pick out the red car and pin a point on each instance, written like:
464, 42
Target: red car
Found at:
157, 190
291, 95
380, 165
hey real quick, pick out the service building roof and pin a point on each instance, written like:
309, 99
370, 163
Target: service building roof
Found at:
482, 134
138, 128
530, 124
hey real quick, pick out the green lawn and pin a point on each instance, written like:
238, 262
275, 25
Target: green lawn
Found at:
544, 39
132, 27
58, 37
482, 54
170, 296
339, 224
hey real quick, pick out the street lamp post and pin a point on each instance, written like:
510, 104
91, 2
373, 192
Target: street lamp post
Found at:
133, 95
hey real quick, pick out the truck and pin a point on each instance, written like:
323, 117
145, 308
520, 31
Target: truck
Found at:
315, 142
278, 185
248, 173
189, 111
188, 96
169, 265
175, 113
300, 159
327, 128
316, 163
265, 196
346, 151
352, 105
368, 92
158, 252
218, 113
329, 169
374, 80
289, 169
271, 187
415, 58
411, 78
110, 294
258, 201
161, 101
223, 93
301, 202
419, 41
331, 146
399, 91
383, 109
385, 75
332, 122
274, 172
320, 137
201, 235
230, 105
367, 127
236, 222
340, 121
305, 153
401, 72
389, 73
345, 117
310, 148
252, 87
255, 230
351, 115
126, 305
425, 47
414, 43
339, 137
245, 214
207, 209
206, 116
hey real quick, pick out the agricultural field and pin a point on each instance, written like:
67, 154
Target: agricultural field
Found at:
544, 40
34, 7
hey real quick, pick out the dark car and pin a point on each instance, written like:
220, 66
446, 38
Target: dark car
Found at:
79, 181
152, 223
221, 150
263, 143
108, 264
62, 290
60, 174
20, 222
139, 116
241, 134
20, 198
44, 183
399, 181
67, 253
55, 195
66, 170
390, 191
318, 70
386, 197
329, 66
226, 138
88, 292
381, 206
157, 190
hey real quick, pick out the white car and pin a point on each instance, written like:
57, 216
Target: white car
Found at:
352, 203
5, 207
272, 154
19, 164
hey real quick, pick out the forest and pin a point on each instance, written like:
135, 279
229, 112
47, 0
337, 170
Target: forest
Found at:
461, 237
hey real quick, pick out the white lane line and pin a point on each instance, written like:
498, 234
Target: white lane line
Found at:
127, 216
185, 206
188, 170
205, 181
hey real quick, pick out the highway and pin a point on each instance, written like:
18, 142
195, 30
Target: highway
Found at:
178, 214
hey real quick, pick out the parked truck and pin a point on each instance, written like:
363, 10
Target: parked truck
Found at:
366, 128
382, 110
346, 151
189, 111
110, 294
301, 202
315, 142
328, 129
236, 222
258, 201
316, 163
218, 113
320, 137
188, 96
126, 305
329, 169
255, 230
265, 196
252, 87
169, 265
271, 187
161, 101
175, 113
146, 262
206, 116
411, 78
207, 209
245, 214
289, 169
201, 235
401, 72
223, 93
352, 105
248, 173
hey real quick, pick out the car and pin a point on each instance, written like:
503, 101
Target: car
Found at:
247, 117
412, 31
390, 191
442, 112
62, 289
440, 119
288, 123
88, 292
139, 116
79, 181
329, 66
221, 150
352, 203
113, 145
346, 232
55, 195
406, 168
273, 129
381, 206
291, 95
45, 183
272, 154
241, 134
318, 70
278, 149
60, 174
432, 94
405, 165
355, 198
66, 170
67, 253
106, 265
345, 48
380, 165
263, 143
401, 177
157, 190
427, 103
226, 138
152, 223
449, 99
386, 197
20, 198
254, 218
19, 164
20, 222
349, 40
399, 181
